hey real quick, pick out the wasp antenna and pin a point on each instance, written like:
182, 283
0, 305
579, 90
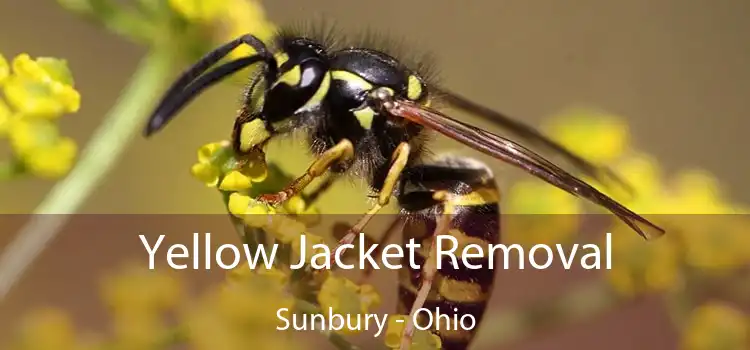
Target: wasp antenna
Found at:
169, 107
186, 87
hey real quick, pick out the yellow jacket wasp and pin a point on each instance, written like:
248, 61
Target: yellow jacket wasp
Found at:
366, 114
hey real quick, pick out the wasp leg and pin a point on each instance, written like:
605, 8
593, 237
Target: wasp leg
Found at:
341, 152
314, 195
398, 163
386, 236
429, 270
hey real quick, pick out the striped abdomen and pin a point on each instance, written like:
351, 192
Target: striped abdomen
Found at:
457, 290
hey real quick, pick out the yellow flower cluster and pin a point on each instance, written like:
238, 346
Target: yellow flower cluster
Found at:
344, 297
241, 312
151, 310
240, 180
534, 208
36, 93
716, 325
688, 205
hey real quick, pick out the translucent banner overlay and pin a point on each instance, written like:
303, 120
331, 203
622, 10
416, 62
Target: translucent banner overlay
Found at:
562, 281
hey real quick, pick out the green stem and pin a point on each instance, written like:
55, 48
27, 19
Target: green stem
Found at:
96, 161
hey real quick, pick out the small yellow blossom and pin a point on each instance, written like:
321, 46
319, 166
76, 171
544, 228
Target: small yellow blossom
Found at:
215, 162
238, 204
596, 136
714, 326
41, 88
205, 173
295, 205
41, 148
54, 161
308, 215
207, 152
421, 340
235, 181
252, 212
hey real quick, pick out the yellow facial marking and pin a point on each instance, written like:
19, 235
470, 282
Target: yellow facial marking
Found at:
291, 77
365, 117
253, 134
320, 94
281, 58
414, 88
478, 197
352, 79
258, 97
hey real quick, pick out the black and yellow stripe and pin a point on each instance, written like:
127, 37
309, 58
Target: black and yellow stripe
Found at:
473, 200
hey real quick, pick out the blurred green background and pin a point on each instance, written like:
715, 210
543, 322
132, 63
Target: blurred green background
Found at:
676, 71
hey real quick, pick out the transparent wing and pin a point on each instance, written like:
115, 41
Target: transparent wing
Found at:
513, 153
531, 135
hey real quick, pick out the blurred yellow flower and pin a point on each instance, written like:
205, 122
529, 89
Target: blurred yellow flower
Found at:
715, 242
47, 329
717, 326
4, 69
6, 116
342, 296
199, 10
141, 291
597, 136
541, 213
697, 192
139, 330
241, 313
640, 266
242, 17
421, 340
